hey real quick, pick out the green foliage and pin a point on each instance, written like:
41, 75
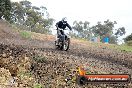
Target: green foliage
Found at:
25, 34
113, 39
107, 29
82, 29
103, 29
125, 47
40, 59
32, 18
37, 86
129, 43
22, 74
121, 31
128, 38
5, 8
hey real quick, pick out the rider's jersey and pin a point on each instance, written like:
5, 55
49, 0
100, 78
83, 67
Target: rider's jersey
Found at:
63, 25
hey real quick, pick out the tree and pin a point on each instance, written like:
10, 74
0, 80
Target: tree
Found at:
128, 38
107, 29
82, 28
5, 8
18, 13
103, 29
121, 31
31, 17
113, 39
26, 4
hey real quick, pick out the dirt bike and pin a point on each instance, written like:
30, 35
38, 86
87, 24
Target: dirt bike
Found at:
63, 42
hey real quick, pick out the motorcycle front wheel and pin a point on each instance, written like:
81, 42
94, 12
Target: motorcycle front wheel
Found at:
65, 44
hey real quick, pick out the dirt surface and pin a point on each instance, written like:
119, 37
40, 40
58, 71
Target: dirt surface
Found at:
54, 68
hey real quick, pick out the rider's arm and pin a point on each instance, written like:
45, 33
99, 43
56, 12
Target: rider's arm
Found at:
57, 24
69, 26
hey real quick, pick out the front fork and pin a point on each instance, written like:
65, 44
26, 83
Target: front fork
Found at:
60, 39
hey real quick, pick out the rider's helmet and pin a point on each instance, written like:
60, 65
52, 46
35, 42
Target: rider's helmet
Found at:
64, 19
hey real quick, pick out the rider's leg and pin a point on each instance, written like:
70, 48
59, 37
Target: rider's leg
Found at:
57, 38
59, 34
63, 34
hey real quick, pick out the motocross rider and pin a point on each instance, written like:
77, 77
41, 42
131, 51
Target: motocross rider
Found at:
61, 25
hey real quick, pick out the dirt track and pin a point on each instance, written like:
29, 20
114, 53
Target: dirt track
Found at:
59, 69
